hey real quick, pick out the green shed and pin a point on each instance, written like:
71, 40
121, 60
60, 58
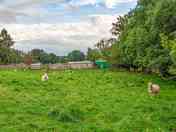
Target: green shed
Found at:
102, 64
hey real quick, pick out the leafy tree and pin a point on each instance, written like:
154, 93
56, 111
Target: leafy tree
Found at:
16, 56
170, 45
5, 39
119, 26
140, 43
76, 55
105, 48
36, 55
93, 54
41, 56
6, 43
53, 58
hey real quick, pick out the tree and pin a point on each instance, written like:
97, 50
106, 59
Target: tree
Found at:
140, 43
76, 55
105, 44
6, 43
36, 55
119, 26
39, 55
105, 48
170, 45
5, 39
53, 58
49, 58
16, 56
93, 54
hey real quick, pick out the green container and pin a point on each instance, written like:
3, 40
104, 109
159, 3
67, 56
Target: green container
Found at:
102, 64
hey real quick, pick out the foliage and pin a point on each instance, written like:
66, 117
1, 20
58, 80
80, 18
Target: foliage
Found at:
93, 54
5, 39
146, 36
103, 50
119, 25
76, 55
16, 56
170, 45
41, 56
6, 53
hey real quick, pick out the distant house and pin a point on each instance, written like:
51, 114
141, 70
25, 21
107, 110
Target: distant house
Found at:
81, 65
58, 66
36, 66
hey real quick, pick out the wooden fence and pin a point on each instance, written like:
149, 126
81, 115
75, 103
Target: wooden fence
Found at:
51, 66
13, 66
71, 66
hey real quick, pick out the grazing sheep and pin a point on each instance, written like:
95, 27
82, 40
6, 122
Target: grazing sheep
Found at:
45, 77
153, 89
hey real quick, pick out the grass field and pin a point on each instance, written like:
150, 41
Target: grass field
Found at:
84, 101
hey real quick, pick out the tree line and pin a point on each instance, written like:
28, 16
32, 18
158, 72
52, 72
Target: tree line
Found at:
9, 55
145, 38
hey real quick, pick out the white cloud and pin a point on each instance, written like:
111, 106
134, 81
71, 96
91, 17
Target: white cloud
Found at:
61, 37
10, 9
31, 10
107, 3
35, 32
83, 2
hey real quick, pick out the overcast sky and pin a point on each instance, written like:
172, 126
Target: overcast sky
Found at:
60, 26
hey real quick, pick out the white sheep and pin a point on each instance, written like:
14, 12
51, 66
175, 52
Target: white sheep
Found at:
45, 77
153, 89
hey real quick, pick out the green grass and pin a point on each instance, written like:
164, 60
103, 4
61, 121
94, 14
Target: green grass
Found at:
84, 101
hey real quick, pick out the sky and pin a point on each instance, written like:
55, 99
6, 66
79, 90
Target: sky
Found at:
60, 26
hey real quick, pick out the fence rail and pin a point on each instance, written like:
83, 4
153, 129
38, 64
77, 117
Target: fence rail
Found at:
50, 66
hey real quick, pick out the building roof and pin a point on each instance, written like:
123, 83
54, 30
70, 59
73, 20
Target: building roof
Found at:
80, 62
36, 64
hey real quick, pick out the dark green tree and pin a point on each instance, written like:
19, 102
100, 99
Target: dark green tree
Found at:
140, 43
76, 55
93, 54
6, 43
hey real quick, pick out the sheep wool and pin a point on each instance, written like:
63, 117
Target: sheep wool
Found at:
45, 77
153, 89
